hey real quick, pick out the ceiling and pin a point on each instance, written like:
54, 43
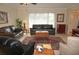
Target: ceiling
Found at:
56, 5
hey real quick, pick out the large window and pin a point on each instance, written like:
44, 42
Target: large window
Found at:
41, 18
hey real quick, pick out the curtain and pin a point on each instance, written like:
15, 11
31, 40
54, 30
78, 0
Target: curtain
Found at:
41, 18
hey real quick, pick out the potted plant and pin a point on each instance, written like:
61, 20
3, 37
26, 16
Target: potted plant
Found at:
19, 23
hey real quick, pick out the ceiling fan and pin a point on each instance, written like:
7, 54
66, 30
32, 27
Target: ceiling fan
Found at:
28, 3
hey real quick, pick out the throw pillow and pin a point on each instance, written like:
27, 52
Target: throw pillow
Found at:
7, 30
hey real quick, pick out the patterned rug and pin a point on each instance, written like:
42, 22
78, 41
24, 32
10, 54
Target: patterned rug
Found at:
54, 41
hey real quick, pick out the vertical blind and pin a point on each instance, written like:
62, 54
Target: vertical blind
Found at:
41, 18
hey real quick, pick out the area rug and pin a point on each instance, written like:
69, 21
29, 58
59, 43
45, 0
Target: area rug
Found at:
54, 41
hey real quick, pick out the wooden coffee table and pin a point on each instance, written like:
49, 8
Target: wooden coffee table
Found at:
47, 50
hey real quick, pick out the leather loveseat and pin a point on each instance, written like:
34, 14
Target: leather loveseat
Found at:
10, 46
11, 31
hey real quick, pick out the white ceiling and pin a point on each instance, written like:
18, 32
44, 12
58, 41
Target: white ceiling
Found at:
56, 5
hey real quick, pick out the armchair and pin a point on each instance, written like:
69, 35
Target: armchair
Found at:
71, 48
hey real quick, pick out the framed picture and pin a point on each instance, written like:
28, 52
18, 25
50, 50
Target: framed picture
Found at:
60, 17
3, 17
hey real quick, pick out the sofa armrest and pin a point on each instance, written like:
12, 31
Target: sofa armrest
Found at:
6, 34
63, 49
17, 30
29, 48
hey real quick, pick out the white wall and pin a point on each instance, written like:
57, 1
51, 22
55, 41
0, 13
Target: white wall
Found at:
23, 15
11, 15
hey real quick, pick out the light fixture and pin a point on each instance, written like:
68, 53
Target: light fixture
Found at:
28, 3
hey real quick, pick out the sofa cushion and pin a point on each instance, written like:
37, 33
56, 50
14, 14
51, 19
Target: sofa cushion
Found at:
47, 26
14, 45
8, 30
17, 30
37, 26
43, 26
3, 39
13, 28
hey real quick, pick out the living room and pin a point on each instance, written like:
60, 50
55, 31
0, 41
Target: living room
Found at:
59, 30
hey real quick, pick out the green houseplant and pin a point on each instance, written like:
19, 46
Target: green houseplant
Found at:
19, 23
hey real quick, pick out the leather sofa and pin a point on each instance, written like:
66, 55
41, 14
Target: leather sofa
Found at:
11, 31
42, 27
75, 32
11, 46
